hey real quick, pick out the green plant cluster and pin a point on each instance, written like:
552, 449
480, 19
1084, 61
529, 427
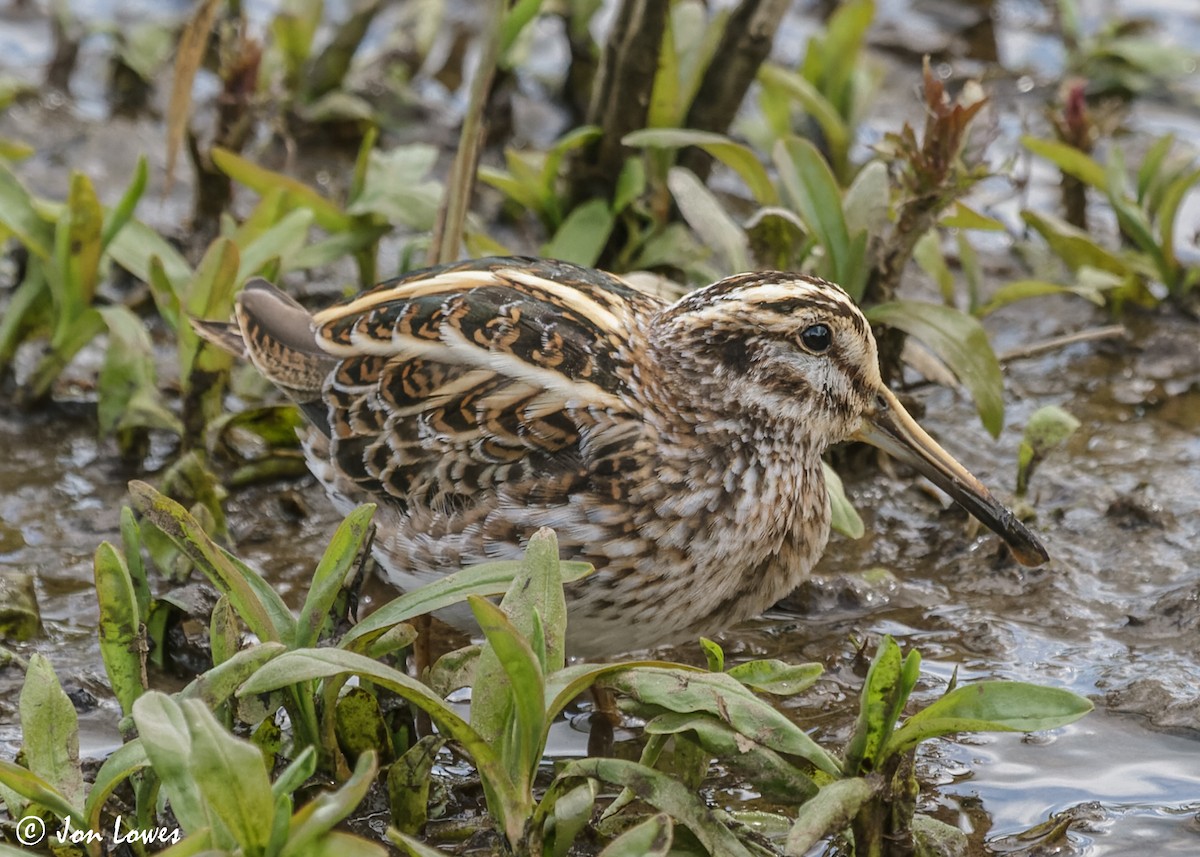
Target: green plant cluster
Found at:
207, 754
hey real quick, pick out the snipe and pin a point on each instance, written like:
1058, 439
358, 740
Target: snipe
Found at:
675, 446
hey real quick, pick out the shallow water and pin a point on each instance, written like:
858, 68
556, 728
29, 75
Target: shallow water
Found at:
1115, 616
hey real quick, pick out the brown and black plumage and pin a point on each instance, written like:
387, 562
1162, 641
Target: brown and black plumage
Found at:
675, 446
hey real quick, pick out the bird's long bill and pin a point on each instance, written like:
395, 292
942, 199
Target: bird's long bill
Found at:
891, 429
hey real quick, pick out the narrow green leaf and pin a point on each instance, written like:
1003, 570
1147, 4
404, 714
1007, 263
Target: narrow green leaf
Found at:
222, 681
224, 635
328, 215
582, 236
167, 742
1070, 160
844, 517
281, 243
990, 706
876, 701
827, 814
257, 603
813, 192
708, 219
19, 216
318, 817
833, 126
412, 846
486, 579
524, 749
961, 343
669, 795
327, 582
122, 644
121, 213
50, 730
650, 838
714, 654
117, 768
778, 677
739, 158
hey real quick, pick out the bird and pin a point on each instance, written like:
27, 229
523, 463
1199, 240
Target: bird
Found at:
676, 446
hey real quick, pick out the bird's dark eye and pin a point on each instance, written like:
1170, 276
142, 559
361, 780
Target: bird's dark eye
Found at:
816, 338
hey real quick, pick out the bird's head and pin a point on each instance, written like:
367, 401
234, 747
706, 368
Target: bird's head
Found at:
795, 353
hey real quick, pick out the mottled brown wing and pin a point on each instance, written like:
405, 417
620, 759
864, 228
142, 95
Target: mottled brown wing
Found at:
467, 378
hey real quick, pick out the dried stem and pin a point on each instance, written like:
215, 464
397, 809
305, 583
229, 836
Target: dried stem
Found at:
446, 243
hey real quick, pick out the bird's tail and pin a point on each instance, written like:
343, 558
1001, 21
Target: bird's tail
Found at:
275, 333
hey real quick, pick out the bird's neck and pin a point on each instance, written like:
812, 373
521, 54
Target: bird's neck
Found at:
738, 486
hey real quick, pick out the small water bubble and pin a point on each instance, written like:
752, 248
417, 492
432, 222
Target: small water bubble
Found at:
1025, 83
944, 71
324, 178
53, 100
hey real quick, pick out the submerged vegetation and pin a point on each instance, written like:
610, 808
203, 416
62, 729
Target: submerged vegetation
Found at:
690, 153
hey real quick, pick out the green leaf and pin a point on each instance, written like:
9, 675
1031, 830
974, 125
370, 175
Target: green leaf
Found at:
397, 189
844, 517
167, 742
117, 768
990, 706
965, 217
582, 236
486, 579
709, 220
50, 731
317, 818
411, 845
330, 576
232, 778
876, 702
714, 654
34, 788
128, 389
773, 776
136, 245
739, 158
307, 664
360, 725
222, 681
827, 814
509, 716
257, 603
571, 813
650, 838
722, 695
961, 343
867, 200
816, 105
121, 638
778, 677
670, 796
1076, 248
120, 214
327, 214
813, 192
224, 635
408, 782
1070, 160
1048, 427
18, 215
